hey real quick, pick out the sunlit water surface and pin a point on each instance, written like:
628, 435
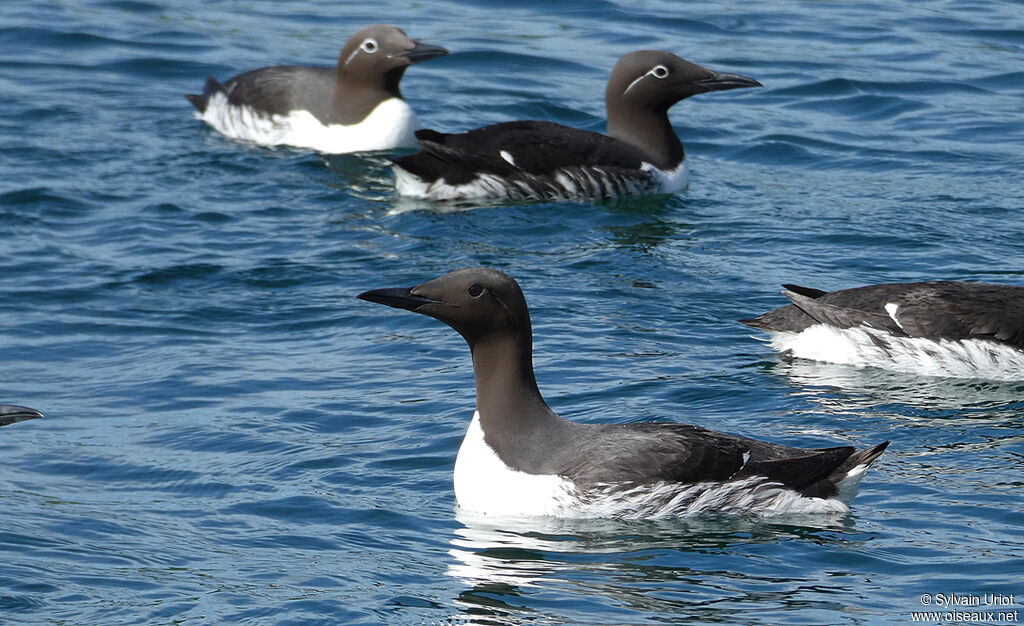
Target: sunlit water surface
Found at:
230, 436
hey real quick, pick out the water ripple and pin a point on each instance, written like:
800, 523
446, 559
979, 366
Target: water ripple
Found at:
231, 436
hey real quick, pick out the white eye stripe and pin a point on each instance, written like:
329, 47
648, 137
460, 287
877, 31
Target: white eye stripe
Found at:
369, 45
658, 71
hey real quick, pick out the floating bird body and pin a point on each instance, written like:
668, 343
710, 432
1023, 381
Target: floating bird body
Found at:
356, 106
520, 458
939, 328
639, 155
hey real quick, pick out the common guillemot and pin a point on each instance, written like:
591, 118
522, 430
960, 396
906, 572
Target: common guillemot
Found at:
519, 458
640, 154
940, 328
11, 413
353, 107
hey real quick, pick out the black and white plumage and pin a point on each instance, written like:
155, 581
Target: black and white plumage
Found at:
639, 155
356, 106
941, 328
11, 413
520, 458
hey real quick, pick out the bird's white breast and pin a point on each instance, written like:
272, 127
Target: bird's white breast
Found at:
485, 484
391, 125
673, 180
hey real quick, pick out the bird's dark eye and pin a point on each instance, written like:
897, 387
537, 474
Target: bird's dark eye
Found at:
475, 290
660, 71
370, 46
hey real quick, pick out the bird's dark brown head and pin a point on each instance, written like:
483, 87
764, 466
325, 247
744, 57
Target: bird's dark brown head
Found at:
656, 79
477, 302
382, 50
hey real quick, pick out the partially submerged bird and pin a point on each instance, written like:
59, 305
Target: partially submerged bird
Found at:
519, 458
11, 413
639, 155
354, 107
942, 328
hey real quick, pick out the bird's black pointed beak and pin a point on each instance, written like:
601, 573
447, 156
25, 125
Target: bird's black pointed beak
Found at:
720, 81
10, 413
422, 52
400, 298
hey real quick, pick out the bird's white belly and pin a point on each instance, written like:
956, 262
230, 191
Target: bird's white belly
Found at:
868, 347
391, 125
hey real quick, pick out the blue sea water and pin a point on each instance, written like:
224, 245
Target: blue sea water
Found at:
231, 437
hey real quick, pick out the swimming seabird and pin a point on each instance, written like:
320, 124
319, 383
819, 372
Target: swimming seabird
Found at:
941, 328
639, 155
353, 107
519, 458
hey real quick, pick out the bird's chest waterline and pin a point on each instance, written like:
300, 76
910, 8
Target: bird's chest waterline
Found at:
868, 347
486, 484
391, 124
565, 183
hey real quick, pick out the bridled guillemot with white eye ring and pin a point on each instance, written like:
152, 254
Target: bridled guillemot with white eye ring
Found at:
354, 107
528, 160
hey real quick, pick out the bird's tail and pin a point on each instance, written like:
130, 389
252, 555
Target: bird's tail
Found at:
199, 101
847, 476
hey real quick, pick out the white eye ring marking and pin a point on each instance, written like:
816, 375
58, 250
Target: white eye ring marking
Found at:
368, 46
658, 71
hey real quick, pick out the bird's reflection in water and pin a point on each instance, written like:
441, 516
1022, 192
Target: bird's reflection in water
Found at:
847, 388
512, 568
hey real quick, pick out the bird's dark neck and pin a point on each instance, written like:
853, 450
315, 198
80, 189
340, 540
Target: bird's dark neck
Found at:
507, 398
354, 100
648, 131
